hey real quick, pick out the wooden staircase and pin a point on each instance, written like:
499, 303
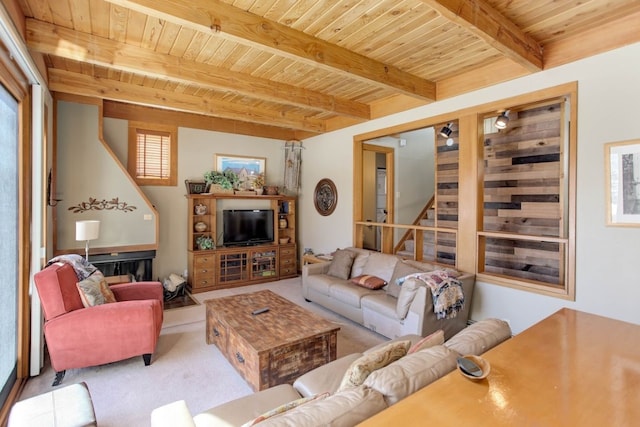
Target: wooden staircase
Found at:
426, 218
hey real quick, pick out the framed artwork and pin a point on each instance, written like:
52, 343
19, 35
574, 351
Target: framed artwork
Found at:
325, 197
622, 165
247, 168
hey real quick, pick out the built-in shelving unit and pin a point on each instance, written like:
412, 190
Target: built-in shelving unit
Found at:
224, 267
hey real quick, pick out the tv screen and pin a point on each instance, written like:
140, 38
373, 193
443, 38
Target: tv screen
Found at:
247, 226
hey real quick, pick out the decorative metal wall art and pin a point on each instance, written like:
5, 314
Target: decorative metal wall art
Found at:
102, 205
325, 197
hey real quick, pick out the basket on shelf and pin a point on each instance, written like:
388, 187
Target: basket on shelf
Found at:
217, 189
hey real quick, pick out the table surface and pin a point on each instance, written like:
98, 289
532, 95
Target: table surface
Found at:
283, 324
570, 369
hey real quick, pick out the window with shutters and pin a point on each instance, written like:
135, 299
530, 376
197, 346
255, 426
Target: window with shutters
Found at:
153, 153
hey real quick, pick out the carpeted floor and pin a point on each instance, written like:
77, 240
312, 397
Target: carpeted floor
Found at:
184, 366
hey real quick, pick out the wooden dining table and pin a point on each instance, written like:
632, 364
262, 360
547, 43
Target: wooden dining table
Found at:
570, 369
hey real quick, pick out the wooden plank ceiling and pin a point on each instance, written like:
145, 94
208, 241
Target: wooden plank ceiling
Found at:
295, 68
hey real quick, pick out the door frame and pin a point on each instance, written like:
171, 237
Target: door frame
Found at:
359, 147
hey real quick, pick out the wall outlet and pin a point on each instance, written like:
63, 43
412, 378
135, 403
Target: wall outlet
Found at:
148, 217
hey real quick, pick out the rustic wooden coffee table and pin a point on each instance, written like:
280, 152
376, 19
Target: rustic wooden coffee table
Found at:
274, 347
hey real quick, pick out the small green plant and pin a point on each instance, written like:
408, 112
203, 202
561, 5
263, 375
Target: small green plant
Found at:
205, 243
226, 179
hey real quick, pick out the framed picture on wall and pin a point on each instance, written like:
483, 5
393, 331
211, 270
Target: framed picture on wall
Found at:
623, 183
247, 168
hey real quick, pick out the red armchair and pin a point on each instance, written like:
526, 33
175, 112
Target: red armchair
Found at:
79, 337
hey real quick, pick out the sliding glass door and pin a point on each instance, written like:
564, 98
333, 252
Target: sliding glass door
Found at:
9, 170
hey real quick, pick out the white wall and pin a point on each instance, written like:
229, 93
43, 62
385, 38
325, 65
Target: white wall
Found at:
85, 170
608, 110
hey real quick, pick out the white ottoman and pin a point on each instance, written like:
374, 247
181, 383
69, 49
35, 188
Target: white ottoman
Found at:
68, 406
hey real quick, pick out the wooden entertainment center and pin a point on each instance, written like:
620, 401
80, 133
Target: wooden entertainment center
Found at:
226, 267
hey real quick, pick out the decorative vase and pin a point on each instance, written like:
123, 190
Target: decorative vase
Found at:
200, 227
283, 223
259, 191
200, 209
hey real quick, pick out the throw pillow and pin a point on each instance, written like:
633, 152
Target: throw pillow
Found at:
284, 408
367, 363
368, 281
341, 264
400, 272
436, 338
94, 290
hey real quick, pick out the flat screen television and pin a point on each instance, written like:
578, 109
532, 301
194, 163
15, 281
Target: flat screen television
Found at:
244, 227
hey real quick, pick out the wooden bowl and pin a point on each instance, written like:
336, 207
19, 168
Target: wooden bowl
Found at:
482, 363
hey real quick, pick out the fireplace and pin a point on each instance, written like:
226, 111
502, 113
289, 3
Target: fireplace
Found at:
137, 264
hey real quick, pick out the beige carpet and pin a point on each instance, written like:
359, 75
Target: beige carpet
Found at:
183, 366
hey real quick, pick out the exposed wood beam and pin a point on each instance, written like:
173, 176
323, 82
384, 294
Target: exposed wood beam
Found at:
489, 25
119, 110
66, 43
84, 85
212, 16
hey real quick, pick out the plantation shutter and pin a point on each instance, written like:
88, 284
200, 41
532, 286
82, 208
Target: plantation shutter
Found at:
153, 154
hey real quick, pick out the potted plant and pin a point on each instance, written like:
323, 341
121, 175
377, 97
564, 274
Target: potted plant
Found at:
258, 183
226, 180
205, 243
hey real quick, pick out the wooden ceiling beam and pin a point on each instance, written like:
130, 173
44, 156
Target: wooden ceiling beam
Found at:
120, 110
491, 26
96, 87
67, 43
215, 17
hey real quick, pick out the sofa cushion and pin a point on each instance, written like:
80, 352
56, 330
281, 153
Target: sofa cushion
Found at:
320, 283
381, 303
407, 294
343, 409
380, 265
400, 271
239, 411
326, 377
284, 408
348, 293
341, 264
94, 290
436, 338
367, 363
412, 372
368, 281
359, 262
427, 266
480, 337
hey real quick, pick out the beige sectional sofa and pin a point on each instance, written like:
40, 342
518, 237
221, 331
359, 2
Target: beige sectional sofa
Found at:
326, 404
391, 311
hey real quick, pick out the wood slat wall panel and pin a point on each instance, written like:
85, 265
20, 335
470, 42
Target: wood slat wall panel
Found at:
523, 171
446, 197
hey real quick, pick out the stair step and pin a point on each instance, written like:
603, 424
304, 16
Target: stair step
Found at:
428, 222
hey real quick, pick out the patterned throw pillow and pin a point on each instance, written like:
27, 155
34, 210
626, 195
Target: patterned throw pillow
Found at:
368, 281
284, 408
94, 290
436, 338
367, 363
341, 264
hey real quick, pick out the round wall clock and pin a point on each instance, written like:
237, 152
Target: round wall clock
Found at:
325, 197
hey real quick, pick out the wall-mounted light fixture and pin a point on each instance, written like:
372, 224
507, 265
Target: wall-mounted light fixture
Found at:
446, 131
503, 120
87, 230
